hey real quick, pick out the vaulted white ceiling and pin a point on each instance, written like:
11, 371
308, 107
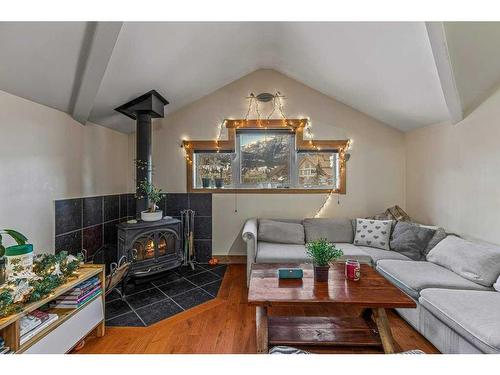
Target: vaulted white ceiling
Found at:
387, 70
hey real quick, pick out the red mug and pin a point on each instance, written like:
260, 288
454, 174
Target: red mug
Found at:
352, 270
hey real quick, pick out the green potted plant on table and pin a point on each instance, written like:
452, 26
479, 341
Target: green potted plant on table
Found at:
322, 253
153, 195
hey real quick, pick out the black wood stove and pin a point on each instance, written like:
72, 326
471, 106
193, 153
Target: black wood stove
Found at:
152, 247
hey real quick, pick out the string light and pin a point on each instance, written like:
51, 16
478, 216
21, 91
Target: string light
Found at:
342, 161
253, 101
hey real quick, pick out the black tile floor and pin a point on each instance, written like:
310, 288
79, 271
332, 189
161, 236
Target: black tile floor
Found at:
170, 294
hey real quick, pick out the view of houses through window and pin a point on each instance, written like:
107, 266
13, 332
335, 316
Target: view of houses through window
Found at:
266, 160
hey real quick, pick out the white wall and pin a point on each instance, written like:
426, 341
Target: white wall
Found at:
375, 172
453, 173
46, 155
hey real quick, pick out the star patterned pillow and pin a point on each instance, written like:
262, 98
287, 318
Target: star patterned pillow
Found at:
373, 233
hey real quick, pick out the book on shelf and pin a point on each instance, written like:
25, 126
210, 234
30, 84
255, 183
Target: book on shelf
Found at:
77, 298
32, 320
5, 350
79, 295
83, 287
76, 303
52, 318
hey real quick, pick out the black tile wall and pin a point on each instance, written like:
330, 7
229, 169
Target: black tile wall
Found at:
123, 205
110, 233
203, 227
92, 239
90, 223
111, 207
202, 205
68, 215
177, 202
70, 242
92, 211
131, 205
203, 250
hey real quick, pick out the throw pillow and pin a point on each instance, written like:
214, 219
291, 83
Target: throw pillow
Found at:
410, 239
474, 261
439, 235
334, 230
280, 232
373, 233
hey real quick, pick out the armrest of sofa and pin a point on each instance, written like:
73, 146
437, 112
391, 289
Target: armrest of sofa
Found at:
250, 237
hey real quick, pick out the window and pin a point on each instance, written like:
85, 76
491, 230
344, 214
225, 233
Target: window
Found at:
212, 169
317, 169
266, 158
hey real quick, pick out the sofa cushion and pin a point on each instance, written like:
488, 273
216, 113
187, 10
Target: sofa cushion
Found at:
412, 277
472, 314
379, 254
280, 232
373, 233
353, 252
410, 239
333, 230
288, 253
478, 262
268, 252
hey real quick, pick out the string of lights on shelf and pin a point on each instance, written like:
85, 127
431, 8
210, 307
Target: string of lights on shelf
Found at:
253, 102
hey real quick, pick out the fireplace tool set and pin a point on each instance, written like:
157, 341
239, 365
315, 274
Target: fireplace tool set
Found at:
187, 218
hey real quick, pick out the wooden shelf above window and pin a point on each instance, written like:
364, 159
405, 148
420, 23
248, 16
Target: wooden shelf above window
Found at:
295, 125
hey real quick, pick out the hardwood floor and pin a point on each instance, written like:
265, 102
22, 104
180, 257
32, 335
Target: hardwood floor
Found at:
226, 325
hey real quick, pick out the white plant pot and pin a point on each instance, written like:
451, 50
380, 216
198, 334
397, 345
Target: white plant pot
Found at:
151, 216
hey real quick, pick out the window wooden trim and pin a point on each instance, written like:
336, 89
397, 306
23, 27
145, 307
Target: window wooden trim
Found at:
301, 144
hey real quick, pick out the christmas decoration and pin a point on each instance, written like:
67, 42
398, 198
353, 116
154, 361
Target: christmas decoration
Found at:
23, 287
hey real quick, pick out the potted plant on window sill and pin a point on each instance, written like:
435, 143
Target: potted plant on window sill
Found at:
219, 180
153, 195
322, 253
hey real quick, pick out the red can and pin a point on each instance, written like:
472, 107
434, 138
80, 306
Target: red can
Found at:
352, 270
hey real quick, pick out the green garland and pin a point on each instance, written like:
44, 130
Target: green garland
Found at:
49, 272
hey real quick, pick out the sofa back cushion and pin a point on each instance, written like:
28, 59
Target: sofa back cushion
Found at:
439, 235
373, 233
478, 262
280, 232
410, 239
333, 230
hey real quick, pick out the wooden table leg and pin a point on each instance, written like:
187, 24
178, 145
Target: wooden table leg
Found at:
261, 322
384, 330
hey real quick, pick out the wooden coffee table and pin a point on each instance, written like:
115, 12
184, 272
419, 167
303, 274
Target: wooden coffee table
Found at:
372, 294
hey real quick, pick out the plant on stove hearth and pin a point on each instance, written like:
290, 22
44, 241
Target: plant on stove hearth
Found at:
151, 192
323, 252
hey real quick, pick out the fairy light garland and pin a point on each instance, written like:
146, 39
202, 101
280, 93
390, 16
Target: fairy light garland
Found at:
253, 101
342, 157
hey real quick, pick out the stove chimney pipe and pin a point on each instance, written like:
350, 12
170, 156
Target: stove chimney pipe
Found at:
143, 109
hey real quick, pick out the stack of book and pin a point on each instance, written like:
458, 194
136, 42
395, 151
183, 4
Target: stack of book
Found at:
4, 349
79, 295
35, 322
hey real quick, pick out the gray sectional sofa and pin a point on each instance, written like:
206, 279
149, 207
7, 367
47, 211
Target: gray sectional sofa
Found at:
458, 308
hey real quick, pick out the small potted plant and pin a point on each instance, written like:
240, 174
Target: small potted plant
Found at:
153, 195
219, 180
322, 253
205, 176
